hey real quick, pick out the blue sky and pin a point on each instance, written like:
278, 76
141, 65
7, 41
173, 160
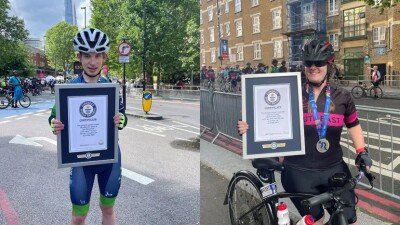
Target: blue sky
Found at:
41, 15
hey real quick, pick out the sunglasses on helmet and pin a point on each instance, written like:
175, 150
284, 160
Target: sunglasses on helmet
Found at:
316, 63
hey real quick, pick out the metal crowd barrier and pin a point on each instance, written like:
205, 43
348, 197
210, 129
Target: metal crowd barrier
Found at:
220, 111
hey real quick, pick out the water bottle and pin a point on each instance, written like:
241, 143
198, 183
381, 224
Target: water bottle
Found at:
306, 220
283, 214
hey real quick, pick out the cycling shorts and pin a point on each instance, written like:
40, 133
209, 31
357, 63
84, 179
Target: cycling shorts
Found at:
376, 83
295, 180
234, 83
81, 184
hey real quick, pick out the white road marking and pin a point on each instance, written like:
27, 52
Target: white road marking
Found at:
9, 117
136, 177
177, 128
161, 135
20, 118
26, 114
186, 125
183, 139
5, 121
42, 110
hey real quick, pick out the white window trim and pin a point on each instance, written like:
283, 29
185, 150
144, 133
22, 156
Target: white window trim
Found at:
255, 3
335, 11
335, 42
201, 36
221, 30
201, 17
381, 41
212, 37
257, 51
240, 55
274, 18
210, 16
226, 6
273, 48
228, 31
238, 6
390, 35
213, 56
203, 57
256, 27
237, 28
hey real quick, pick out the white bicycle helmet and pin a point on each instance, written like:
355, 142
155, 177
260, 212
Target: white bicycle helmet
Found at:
91, 40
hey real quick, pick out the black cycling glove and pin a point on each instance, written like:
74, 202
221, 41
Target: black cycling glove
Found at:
364, 158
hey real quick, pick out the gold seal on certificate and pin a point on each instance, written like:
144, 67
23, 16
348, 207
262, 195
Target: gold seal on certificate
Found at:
323, 145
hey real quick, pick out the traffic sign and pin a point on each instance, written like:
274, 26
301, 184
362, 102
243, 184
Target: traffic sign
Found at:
124, 49
123, 58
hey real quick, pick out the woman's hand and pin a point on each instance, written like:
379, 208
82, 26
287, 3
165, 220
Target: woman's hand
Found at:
242, 127
56, 126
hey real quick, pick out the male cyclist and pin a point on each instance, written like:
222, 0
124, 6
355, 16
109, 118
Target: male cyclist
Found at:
16, 84
375, 79
92, 46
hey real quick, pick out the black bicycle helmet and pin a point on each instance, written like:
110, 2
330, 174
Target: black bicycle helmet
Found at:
318, 50
91, 40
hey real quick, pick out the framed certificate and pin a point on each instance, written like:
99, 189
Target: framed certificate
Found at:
272, 106
89, 136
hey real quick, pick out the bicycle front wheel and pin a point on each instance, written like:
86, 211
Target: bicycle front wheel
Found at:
357, 92
4, 101
243, 194
25, 101
376, 92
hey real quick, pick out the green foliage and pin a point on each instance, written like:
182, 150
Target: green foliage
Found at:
171, 34
59, 46
385, 4
13, 54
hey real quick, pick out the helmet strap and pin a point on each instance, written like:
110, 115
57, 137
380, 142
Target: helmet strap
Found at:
92, 75
317, 84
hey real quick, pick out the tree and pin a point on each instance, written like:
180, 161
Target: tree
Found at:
13, 54
59, 46
384, 4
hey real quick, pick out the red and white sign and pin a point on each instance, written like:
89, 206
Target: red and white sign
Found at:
124, 49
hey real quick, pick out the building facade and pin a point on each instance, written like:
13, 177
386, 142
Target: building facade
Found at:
69, 12
261, 30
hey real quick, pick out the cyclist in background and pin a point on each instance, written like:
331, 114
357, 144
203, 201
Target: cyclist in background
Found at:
203, 75
375, 79
92, 46
274, 68
211, 77
16, 84
260, 68
248, 69
323, 127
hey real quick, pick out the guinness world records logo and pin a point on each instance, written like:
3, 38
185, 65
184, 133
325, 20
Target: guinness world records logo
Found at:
272, 97
87, 109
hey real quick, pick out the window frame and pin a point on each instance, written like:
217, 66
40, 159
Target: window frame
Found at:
228, 28
257, 50
335, 10
212, 37
240, 54
210, 16
276, 55
377, 33
276, 19
213, 56
238, 6
255, 3
239, 28
335, 42
256, 27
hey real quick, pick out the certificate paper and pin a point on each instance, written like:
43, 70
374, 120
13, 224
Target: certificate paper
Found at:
272, 112
88, 123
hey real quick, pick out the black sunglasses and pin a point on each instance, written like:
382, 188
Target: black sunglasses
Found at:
316, 63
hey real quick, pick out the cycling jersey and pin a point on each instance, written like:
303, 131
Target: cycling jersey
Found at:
82, 178
342, 112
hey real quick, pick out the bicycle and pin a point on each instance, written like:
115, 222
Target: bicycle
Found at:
253, 200
340, 81
361, 89
6, 99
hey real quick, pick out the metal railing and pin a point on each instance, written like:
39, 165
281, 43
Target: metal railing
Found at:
221, 111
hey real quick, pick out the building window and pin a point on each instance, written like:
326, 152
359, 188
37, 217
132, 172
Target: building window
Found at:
213, 56
390, 35
377, 2
238, 28
210, 13
211, 31
221, 30
256, 24
227, 29
333, 8
201, 17
308, 14
257, 50
278, 51
379, 36
201, 37
203, 57
276, 19
238, 6
334, 40
226, 6
254, 3
239, 52
354, 24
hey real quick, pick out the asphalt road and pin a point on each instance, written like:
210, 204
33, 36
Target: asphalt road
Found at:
33, 191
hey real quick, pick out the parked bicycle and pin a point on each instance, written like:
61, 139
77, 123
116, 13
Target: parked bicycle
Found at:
340, 82
253, 200
6, 98
362, 90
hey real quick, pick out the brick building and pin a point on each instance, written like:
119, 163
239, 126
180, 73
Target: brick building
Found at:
262, 30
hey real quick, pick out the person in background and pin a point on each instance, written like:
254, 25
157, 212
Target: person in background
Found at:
274, 68
248, 69
16, 84
283, 68
260, 68
375, 79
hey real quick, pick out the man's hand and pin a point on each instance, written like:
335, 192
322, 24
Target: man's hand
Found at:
56, 126
242, 127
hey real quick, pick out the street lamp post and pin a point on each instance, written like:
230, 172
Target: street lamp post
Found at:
85, 14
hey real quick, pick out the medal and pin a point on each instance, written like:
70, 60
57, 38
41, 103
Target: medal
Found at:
322, 145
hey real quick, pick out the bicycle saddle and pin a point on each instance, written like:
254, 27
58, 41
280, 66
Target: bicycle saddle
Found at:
267, 163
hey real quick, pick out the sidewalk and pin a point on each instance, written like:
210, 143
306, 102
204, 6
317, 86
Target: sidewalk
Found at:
226, 163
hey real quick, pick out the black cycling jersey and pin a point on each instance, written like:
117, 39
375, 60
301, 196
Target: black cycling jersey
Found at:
342, 111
